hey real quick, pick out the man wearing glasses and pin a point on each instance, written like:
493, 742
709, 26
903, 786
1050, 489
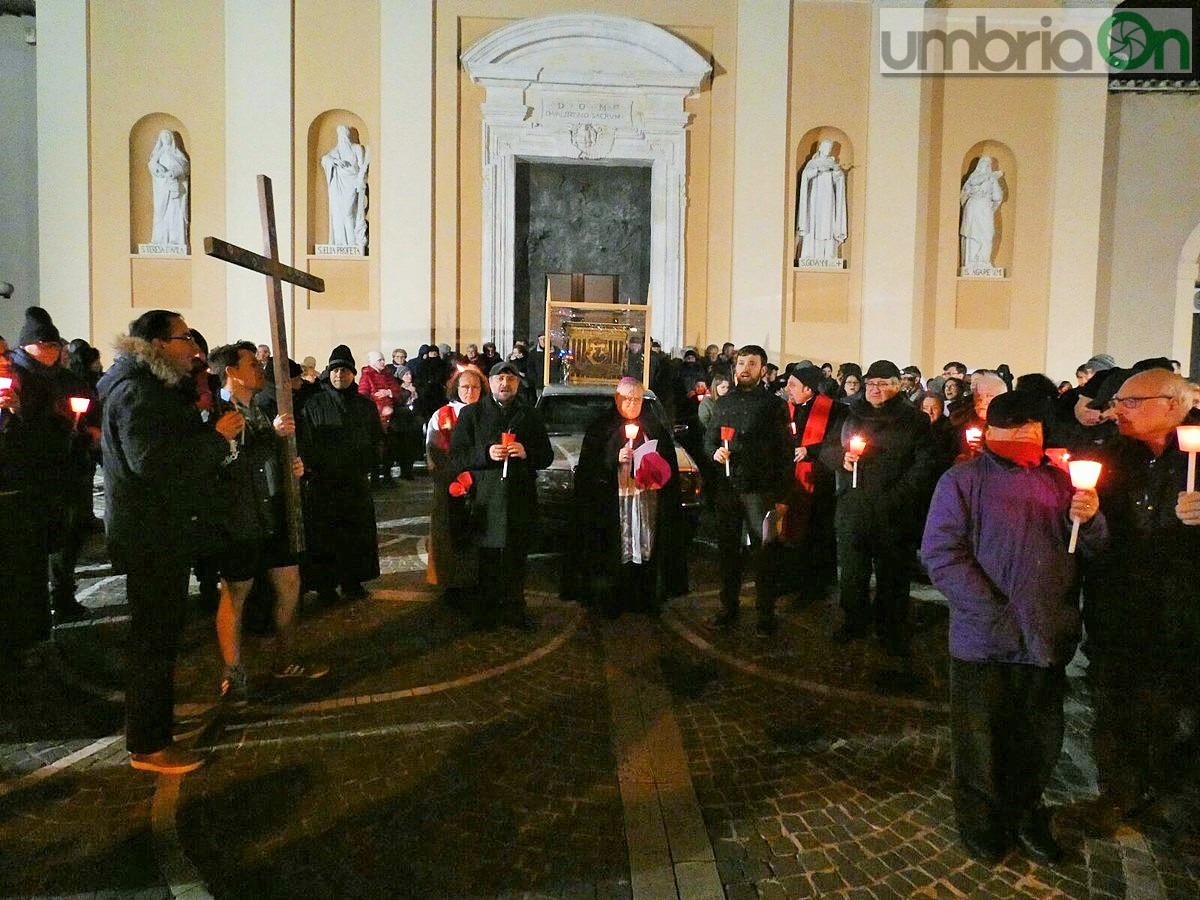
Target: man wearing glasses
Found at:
880, 509
1142, 606
160, 461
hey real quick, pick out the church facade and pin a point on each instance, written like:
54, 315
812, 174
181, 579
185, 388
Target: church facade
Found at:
439, 109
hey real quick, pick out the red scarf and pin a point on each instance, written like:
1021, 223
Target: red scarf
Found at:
1025, 454
814, 433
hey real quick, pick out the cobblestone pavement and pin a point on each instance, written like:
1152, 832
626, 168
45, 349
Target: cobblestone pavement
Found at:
435, 761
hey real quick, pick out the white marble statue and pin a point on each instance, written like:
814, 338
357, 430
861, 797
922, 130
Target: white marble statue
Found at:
981, 196
821, 213
346, 176
169, 169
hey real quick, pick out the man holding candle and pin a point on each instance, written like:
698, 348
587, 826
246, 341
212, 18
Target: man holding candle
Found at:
504, 470
160, 461
759, 456
882, 493
996, 544
1142, 604
630, 530
46, 451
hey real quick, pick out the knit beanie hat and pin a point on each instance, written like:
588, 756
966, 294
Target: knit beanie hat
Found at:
342, 358
38, 328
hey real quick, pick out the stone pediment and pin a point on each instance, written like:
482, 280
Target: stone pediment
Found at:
587, 49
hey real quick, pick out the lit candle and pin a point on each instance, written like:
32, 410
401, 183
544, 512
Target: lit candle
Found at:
79, 405
727, 433
1189, 442
973, 436
792, 428
1084, 475
506, 438
5, 385
631, 433
858, 444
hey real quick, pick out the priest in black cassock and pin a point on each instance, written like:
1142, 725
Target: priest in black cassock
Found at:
630, 552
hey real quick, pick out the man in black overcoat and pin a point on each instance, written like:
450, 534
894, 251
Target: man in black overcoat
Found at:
504, 471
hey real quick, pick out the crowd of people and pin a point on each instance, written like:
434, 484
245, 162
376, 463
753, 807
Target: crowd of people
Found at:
855, 480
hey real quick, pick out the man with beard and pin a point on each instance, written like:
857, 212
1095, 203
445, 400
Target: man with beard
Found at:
338, 438
879, 510
1142, 606
749, 432
631, 531
160, 461
812, 501
502, 442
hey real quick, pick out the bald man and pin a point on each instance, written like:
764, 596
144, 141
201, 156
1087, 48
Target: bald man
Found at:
1142, 604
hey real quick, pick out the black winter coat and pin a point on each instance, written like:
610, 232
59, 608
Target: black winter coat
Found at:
761, 449
896, 473
1142, 596
505, 509
160, 459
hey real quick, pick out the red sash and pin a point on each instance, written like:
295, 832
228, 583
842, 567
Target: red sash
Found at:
814, 433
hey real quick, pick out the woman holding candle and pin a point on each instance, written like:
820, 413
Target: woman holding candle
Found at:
996, 544
632, 552
453, 562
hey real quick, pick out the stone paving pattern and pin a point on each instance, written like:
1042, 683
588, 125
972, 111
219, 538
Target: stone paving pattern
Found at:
508, 786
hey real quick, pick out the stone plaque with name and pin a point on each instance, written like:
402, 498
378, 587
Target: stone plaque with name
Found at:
980, 272
808, 262
162, 250
570, 109
337, 250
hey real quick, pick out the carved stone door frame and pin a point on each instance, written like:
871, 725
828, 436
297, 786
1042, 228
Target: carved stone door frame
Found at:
603, 90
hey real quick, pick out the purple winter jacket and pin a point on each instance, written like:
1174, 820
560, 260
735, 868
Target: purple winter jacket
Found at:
996, 545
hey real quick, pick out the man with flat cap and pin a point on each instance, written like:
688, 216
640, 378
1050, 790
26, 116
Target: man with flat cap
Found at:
502, 442
879, 510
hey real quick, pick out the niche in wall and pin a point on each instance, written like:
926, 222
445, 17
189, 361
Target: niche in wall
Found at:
347, 276
142, 140
1003, 161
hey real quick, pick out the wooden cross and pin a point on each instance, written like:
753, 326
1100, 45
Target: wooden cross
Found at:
276, 273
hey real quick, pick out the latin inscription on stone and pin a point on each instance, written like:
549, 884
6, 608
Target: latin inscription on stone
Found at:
980, 272
572, 108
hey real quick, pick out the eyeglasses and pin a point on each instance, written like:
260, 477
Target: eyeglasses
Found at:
1135, 402
878, 385
182, 337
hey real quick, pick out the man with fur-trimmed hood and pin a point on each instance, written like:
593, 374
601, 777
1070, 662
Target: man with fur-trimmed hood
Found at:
160, 461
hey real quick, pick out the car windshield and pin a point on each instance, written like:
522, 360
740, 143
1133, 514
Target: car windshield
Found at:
573, 413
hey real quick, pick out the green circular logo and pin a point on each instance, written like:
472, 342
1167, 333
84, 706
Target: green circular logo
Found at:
1126, 40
